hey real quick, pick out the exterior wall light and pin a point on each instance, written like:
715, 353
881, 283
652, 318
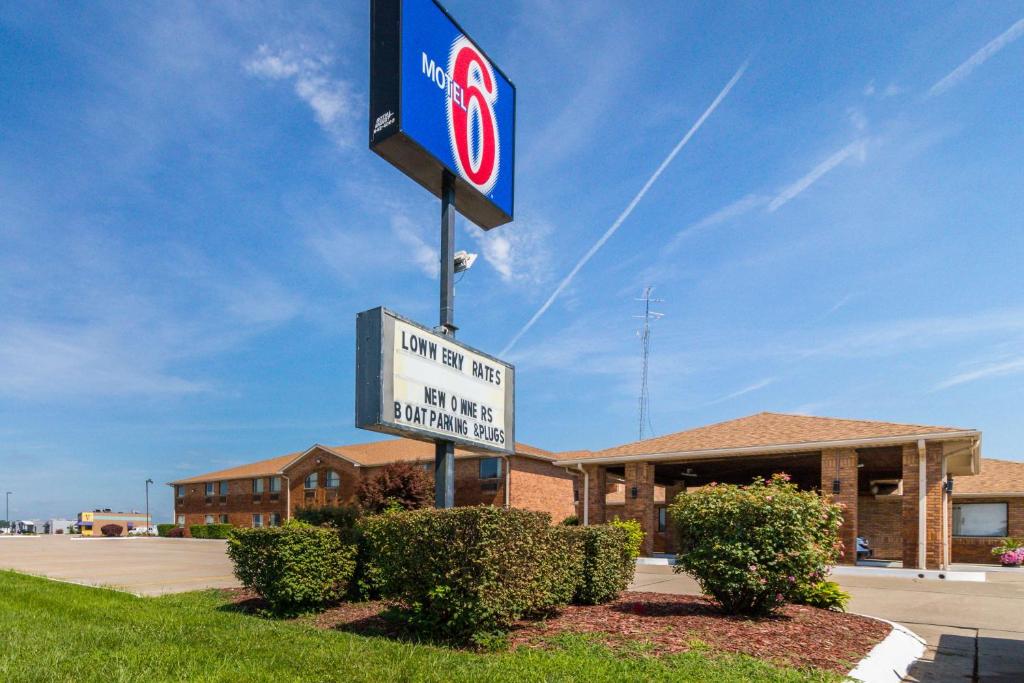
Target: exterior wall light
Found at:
632, 492
835, 486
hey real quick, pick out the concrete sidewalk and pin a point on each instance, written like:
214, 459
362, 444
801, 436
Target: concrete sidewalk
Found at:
144, 566
974, 631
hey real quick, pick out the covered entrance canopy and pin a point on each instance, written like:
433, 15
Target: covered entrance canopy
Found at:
904, 466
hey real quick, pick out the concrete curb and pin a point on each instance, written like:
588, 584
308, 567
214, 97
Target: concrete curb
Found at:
892, 658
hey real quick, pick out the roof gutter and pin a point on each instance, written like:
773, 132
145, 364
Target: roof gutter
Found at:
776, 448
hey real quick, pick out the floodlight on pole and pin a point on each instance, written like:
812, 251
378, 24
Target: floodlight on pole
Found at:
464, 261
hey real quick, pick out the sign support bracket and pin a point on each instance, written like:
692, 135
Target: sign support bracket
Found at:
444, 451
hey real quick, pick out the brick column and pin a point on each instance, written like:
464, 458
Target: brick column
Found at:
597, 489
670, 495
846, 460
641, 507
935, 542
935, 498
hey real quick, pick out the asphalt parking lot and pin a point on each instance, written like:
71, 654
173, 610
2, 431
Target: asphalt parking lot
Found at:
974, 631
144, 566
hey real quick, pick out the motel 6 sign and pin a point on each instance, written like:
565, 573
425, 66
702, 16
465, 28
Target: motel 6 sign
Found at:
438, 103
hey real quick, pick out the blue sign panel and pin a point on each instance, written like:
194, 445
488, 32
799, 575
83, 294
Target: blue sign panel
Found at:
438, 103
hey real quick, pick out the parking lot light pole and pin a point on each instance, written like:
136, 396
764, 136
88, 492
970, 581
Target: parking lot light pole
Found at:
7, 514
149, 522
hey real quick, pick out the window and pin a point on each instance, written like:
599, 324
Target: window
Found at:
979, 519
223, 488
332, 480
275, 484
490, 468
180, 490
275, 519
662, 521
208, 520
257, 486
181, 520
257, 521
311, 480
209, 488
223, 519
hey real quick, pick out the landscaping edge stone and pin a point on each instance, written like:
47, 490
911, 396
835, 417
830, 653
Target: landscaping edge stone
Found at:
892, 658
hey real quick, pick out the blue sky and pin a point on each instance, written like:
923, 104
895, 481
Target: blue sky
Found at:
190, 220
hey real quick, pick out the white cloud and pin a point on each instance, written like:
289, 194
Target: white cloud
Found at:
978, 58
742, 392
519, 253
1012, 367
723, 215
857, 148
332, 100
425, 257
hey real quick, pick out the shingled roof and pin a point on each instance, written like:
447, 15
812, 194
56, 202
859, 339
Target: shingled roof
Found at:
362, 455
765, 430
997, 477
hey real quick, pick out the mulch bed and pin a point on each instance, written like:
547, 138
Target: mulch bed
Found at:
797, 636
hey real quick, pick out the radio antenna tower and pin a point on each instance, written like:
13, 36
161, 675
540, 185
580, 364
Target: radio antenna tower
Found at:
645, 335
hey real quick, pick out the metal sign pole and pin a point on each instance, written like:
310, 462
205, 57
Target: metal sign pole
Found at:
444, 451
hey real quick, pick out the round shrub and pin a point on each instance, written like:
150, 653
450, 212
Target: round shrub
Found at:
753, 547
110, 530
197, 531
466, 573
176, 532
164, 529
401, 484
295, 568
609, 561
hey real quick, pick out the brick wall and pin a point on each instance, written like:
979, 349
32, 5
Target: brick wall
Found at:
539, 485
841, 463
640, 475
978, 550
879, 519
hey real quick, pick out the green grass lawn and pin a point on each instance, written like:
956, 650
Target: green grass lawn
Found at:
60, 632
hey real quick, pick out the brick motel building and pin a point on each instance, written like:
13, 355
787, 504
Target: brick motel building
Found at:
267, 492
894, 480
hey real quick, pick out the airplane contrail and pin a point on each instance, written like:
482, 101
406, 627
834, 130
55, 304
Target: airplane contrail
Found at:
629, 209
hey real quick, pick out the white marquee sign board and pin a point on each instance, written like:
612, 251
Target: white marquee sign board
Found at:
414, 382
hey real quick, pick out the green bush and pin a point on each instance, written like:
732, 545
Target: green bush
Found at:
609, 562
634, 535
571, 520
164, 529
219, 530
295, 568
464, 573
823, 594
198, 531
752, 547
341, 517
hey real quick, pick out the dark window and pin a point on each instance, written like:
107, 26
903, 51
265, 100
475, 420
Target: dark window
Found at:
223, 519
662, 521
223, 488
979, 519
180, 490
490, 468
209, 488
